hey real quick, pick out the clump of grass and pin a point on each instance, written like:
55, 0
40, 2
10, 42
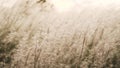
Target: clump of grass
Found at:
6, 47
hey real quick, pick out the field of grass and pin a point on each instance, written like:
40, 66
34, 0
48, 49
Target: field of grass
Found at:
36, 36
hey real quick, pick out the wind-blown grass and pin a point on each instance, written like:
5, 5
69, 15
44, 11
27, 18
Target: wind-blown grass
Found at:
26, 41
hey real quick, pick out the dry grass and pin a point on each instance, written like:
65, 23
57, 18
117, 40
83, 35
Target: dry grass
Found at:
26, 42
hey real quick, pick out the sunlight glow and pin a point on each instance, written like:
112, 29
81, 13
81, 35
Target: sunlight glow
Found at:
7, 3
63, 5
67, 5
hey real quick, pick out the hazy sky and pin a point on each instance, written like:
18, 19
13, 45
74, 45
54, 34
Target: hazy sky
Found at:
66, 5
7, 3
